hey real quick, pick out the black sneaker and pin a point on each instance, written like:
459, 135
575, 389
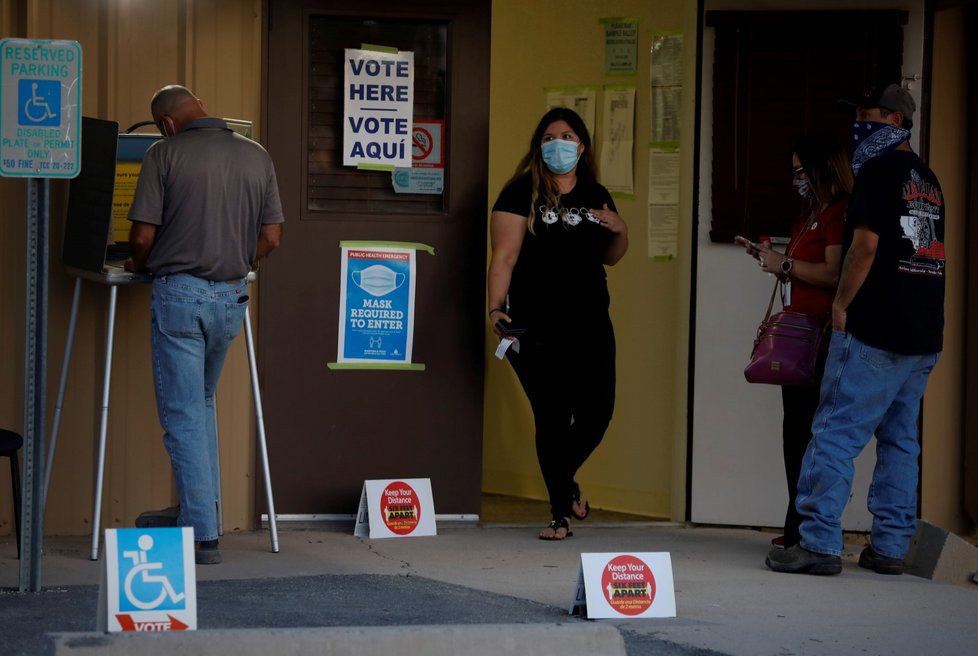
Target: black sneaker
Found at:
207, 553
869, 559
158, 518
798, 560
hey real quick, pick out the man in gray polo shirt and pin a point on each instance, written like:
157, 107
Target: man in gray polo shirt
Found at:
206, 209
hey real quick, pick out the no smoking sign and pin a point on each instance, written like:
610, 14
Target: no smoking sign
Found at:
427, 144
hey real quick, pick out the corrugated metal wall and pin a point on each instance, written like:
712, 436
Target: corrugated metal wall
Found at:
130, 49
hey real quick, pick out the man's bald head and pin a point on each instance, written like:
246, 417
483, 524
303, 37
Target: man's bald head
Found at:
173, 107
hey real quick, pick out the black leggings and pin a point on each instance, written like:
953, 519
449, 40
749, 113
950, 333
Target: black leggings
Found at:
570, 383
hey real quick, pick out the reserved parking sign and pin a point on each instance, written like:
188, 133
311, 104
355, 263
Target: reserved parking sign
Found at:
40, 108
149, 582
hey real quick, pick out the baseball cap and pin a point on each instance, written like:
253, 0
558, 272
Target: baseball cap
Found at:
892, 97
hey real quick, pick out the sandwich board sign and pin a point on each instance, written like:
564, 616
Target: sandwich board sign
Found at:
396, 508
625, 586
148, 580
40, 108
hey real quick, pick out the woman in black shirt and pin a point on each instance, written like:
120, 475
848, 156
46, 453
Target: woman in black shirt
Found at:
553, 229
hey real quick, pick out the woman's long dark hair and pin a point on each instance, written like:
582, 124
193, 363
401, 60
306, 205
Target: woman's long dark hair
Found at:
827, 165
542, 180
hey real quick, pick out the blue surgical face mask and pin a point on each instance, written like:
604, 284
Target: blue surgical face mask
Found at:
560, 155
378, 280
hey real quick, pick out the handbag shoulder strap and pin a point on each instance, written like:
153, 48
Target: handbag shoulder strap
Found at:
770, 304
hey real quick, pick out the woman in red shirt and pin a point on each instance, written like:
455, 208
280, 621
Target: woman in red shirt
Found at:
810, 268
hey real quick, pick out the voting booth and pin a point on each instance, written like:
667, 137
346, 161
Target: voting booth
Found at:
95, 249
96, 228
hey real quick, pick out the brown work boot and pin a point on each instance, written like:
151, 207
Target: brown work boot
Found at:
869, 559
206, 552
158, 518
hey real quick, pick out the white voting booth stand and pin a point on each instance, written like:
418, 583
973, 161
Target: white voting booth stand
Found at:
625, 586
148, 581
396, 508
114, 279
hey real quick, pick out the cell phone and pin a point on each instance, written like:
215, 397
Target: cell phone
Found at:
509, 329
747, 242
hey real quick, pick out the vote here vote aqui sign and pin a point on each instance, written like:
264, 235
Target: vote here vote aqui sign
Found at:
40, 108
378, 108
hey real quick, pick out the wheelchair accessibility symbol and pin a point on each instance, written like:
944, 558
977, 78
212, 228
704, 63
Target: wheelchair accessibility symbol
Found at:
152, 572
38, 102
147, 580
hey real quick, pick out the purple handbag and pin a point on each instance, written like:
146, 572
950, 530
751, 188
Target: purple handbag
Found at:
786, 348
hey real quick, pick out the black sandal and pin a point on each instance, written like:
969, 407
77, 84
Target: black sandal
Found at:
576, 498
556, 524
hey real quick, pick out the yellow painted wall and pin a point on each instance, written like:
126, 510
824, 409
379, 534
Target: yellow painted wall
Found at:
129, 50
639, 468
943, 414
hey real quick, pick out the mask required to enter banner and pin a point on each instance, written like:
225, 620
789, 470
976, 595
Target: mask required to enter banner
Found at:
376, 315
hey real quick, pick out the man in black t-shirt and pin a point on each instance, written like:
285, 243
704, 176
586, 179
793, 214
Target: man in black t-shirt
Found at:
888, 323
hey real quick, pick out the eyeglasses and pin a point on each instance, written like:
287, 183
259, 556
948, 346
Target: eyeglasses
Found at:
799, 172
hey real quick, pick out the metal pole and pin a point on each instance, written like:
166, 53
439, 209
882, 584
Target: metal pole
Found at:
35, 367
260, 421
217, 450
103, 422
59, 403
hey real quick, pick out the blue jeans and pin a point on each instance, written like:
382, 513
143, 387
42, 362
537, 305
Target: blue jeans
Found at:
193, 323
864, 390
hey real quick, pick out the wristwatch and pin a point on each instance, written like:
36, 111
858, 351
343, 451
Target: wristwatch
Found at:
786, 266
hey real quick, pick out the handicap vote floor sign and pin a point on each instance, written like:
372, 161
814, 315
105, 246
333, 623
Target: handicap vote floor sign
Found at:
149, 581
40, 108
625, 585
396, 508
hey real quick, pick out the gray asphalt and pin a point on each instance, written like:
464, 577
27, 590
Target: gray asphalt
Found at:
727, 601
